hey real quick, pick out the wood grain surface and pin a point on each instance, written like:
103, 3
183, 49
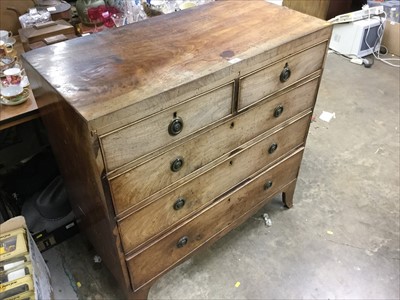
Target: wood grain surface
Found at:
16, 114
76, 152
107, 101
260, 84
128, 190
316, 8
105, 73
216, 218
160, 215
142, 138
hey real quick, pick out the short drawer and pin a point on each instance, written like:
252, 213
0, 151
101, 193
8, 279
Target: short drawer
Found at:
166, 211
258, 85
132, 187
133, 141
176, 245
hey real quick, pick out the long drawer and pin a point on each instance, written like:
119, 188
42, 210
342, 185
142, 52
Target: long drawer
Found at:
131, 188
192, 196
175, 246
257, 85
133, 141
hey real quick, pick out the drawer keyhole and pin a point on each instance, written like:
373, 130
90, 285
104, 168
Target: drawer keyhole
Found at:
177, 164
278, 111
176, 126
272, 148
182, 242
268, 185
285, 74
179, 203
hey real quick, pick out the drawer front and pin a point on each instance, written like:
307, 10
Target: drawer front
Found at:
130, 188
166, 211
138, 139
172, 248
255, 86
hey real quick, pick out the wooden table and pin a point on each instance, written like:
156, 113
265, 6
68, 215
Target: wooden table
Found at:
14, 115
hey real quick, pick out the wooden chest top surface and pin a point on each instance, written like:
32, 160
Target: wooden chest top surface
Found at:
108, 71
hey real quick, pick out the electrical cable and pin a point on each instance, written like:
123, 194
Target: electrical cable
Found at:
345, 56
380, 32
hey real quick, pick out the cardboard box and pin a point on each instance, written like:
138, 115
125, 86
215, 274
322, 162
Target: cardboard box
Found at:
13, 244
16, 287
391, 37
23, 296
16, 273
13, 263
40, 273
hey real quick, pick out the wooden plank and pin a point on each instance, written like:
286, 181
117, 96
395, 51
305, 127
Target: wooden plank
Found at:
316, 8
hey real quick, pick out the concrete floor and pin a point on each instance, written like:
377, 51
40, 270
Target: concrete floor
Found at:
340, 240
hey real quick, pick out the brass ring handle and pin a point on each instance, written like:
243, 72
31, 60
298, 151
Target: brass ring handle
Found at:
176, 126
182, 242
285, 74
177, 164
278, 111
272, 148
179, 203
268, 185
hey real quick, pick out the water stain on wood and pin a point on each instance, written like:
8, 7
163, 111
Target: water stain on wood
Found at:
227, 54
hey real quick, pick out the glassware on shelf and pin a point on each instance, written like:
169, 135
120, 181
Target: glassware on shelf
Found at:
170, 6
157, 4
187, 4
86, 7
119, 19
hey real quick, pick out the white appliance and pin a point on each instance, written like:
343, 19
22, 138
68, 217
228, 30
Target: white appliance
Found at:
359, 38
365, 13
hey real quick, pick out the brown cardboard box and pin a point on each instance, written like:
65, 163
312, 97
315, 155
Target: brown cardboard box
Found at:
13, 244
40, 273
17, 286
391, 37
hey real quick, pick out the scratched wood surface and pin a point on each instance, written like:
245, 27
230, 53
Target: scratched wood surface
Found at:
107, 91
132, 188
223, 214
133, 141
264, 82
160, 215
109, 71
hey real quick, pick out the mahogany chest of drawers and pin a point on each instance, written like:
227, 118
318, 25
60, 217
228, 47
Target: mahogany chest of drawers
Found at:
172, 131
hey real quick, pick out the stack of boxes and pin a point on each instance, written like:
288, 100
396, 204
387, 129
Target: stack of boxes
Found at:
23, 272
